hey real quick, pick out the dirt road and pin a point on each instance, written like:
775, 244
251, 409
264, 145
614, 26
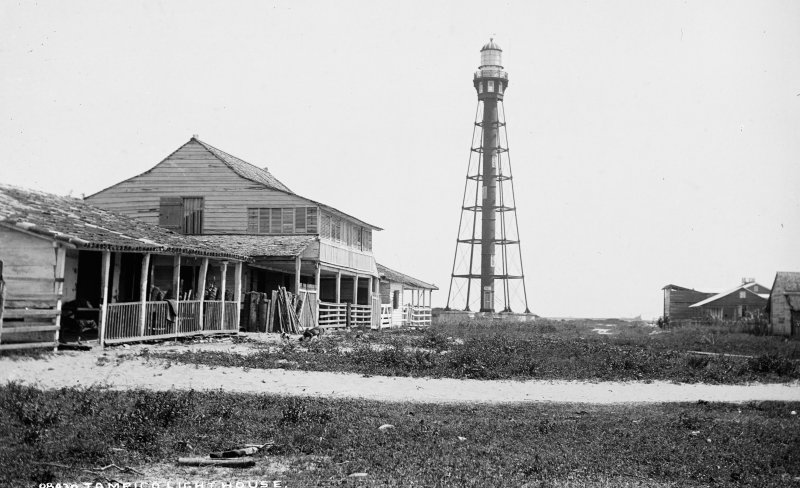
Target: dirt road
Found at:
113, 371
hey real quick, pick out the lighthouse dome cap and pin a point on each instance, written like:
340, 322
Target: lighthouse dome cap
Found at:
491, 45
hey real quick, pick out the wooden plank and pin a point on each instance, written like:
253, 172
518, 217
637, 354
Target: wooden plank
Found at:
30, 303
49, 279
35, 328
158, 337
21, 313
27, 345
33, 297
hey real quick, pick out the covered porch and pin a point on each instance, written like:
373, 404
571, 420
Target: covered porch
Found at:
333, 295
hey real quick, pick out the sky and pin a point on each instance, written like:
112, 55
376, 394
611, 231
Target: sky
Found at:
651, 142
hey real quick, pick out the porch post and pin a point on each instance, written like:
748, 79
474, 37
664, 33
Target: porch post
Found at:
369, 290
238, 294
115, 278
297, 263
176, 289
143, 294
106, 264
201, 289
338, 287
224, 271
318, 286
355, 289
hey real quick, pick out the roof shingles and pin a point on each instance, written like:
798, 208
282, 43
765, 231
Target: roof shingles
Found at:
86, 226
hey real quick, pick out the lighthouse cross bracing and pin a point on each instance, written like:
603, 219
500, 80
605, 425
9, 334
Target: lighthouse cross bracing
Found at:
487, 266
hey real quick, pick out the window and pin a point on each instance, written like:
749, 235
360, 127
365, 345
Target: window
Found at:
367, 241
480, 87
396, 299
742, 294
490, 86
291, 220
181, 214
500, 88
755, 288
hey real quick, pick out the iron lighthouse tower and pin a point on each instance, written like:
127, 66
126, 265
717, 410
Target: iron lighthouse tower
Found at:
487, 266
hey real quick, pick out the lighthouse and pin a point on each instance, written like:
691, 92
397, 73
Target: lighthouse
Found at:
487, 269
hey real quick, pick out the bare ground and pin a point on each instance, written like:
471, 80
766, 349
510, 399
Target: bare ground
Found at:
121, 369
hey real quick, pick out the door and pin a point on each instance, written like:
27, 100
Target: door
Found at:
795, 323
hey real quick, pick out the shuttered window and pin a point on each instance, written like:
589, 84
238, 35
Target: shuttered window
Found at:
193, 215
311, 220
181, 214
288, 220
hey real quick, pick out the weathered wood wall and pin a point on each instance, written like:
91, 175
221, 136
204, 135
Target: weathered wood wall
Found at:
33, 271
676, 303
193, 171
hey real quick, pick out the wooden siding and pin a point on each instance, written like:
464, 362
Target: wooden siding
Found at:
729, 303
780, 310
193, 171
676, 303
340, 255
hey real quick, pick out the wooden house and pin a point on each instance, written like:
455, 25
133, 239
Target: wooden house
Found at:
405, 300
783, 305
733, 304
289, 240
63, 257
677, 302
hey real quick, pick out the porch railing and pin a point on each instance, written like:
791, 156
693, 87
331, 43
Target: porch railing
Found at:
360, 315
416, 316
332, 314
386, 315
163, 321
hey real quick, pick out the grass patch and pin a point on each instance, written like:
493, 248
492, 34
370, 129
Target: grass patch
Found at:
545, 350
430, 445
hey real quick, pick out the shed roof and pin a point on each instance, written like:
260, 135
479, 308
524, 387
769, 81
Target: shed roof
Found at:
744, 286
254, 246
398, 277
76, 222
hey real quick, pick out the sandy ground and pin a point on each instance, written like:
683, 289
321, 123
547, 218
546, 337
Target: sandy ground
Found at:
117, 369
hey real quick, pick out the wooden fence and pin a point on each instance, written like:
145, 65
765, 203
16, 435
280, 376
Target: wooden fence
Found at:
165, 320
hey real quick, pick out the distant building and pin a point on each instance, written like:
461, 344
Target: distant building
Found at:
683, 303
784, 304
733, 304
678, 299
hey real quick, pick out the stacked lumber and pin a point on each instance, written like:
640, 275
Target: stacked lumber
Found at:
287, 306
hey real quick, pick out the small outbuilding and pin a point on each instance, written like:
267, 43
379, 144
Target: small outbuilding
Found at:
783, 306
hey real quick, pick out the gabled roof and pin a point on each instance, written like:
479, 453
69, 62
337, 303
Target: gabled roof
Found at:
744, 286
398, 277
85, 226
254, 246
245, 169
252, 173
